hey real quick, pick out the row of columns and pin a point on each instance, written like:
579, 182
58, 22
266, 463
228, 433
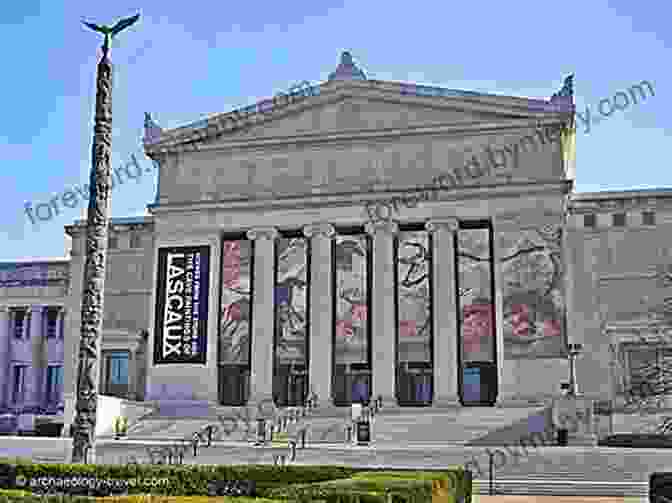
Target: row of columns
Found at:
36, 359
383, 306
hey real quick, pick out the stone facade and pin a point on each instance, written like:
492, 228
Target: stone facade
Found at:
467, 296
33, 313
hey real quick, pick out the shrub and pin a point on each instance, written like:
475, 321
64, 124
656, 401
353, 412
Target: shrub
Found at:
292, 482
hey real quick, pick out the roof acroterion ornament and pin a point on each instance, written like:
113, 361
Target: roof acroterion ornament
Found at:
152, 129
567, 90
347, 69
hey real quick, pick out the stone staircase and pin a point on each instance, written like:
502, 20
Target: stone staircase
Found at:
390, 426
634, 491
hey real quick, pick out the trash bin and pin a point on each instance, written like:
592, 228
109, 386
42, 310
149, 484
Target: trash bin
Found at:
363, 432
562, 436
261, 431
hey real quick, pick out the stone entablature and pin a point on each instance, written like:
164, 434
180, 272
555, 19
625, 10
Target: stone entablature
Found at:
633, 204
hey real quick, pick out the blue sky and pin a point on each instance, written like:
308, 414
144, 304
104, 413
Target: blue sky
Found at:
183, 61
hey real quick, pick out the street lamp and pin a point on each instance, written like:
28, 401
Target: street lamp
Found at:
574, 351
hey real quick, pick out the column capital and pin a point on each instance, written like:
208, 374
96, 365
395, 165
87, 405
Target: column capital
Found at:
450, 224
321, 229
262, 233
386, 226
36, 309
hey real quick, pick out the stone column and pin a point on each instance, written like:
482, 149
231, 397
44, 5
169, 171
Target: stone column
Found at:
26, 323
321, 316
445, 332
261, 385
38, 364
7, 371
61, 323
383, 311
5, 356
506, 381
132, 373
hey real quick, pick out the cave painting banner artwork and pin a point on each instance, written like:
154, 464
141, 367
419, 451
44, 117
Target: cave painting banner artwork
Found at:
182, 305
236, 303
534, 297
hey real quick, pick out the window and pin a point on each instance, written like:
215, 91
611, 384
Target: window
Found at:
52, 323
618, 219
117, 369
19, 322
649, 370
19, 383
113, 242
648, 218
136, 240
589, 220
54, 383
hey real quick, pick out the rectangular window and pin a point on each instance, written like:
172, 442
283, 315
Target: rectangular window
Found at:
19, 323
618, 219
19, 383
414, 316
352, 321
52, 323
54, 383
118, 368
589, 220
113, 242
648, 218
648, 371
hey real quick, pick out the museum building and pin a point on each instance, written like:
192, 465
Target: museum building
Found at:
273, 263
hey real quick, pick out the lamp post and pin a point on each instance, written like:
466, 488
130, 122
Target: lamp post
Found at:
574, 351
93, 289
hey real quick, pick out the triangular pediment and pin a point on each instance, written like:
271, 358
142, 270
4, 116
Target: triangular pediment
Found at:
359, 114
358, 107
361, 110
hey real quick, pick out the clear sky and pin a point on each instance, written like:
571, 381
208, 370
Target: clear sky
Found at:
185, 60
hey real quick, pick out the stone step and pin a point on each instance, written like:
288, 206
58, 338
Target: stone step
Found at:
394, 424
564, 487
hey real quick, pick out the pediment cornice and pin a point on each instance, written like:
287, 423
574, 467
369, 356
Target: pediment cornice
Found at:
506, 112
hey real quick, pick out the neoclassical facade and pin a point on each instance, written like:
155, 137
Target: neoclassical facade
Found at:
274, 263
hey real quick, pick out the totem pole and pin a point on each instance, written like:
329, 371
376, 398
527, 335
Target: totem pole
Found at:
84, 424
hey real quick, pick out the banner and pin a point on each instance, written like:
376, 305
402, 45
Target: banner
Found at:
182, 305
23, 275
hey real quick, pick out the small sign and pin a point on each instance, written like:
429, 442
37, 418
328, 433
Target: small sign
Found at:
356, 411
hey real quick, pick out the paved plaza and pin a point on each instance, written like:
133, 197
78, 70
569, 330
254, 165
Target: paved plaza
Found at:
551, 470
